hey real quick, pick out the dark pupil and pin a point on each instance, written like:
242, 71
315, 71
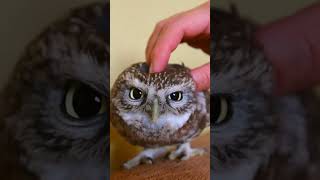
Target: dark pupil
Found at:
215, 112
86, 102
175, 96
136, 93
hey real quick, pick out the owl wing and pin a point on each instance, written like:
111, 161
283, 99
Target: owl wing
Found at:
198, 120
203, 110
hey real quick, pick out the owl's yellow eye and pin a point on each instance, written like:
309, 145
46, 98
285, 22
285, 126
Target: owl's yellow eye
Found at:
176, 96
82, 101
221, 109
135, 94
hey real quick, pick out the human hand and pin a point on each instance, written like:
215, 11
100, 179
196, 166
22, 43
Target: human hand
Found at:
292, 45
191, 27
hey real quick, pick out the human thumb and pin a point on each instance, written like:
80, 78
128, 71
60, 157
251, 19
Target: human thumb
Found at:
201, 76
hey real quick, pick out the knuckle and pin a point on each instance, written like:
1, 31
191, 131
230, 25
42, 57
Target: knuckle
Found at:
160, 24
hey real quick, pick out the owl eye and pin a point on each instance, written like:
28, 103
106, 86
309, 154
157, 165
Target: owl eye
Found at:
176, 96
135, 93
82, 101
221, 109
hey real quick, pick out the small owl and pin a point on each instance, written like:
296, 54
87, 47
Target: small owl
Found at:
256, 135
156, 110
54, 110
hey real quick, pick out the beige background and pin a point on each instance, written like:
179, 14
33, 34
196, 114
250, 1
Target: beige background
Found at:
131, 24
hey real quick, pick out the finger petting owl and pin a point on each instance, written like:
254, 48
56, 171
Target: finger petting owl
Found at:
156, 110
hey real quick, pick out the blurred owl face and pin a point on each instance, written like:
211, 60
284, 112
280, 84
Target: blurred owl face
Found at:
57, 100
255, 134
160, 100
242, 114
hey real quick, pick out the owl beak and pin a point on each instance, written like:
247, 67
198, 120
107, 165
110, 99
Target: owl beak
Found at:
155, 110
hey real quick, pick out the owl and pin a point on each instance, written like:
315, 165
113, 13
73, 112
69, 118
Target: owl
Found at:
55, 107
256, 135
158, 110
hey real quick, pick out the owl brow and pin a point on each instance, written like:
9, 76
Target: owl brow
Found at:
137, 84
178, 87
132, 85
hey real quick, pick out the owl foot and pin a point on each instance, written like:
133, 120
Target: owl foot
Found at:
146, 157
185, 152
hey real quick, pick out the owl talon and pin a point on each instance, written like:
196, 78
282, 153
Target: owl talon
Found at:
185, 152
146, 157
136, 161
147, 160
173, 155
194, 152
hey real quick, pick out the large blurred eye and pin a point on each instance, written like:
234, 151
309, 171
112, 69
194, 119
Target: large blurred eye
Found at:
176, 96
135, 93
221, 109
82, 101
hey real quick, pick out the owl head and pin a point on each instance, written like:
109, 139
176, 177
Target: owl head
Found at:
159, 100
56, 102
242, 124
154, 104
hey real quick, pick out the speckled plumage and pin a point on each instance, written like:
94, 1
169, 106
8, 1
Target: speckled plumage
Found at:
47, 142
178, 122
263, 136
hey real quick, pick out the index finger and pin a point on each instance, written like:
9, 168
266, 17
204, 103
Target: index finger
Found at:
186, 25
